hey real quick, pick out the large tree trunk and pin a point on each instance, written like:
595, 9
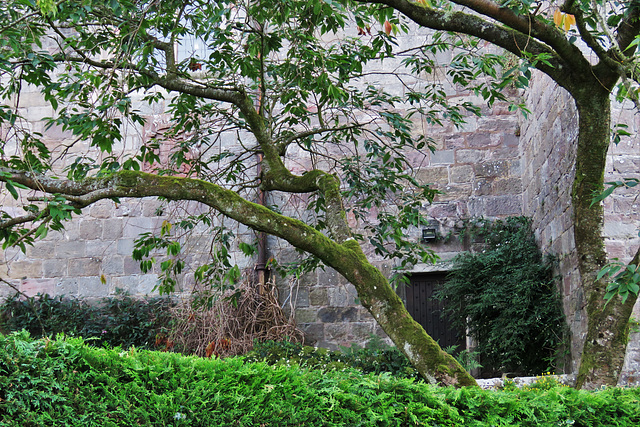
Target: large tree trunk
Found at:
606, 339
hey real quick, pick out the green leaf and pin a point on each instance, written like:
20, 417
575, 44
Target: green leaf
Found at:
247, 249
11, 189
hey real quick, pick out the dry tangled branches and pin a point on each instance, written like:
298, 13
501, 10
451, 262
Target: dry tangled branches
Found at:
226, 329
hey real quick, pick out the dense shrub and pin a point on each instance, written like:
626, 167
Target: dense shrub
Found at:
505, 295
63, 382
118, 321
376, 357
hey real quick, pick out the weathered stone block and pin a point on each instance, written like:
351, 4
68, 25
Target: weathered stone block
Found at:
313, 332
337, 314
471, 156
102, 209
54, 267
493, 169
131, 266
302, 297
99, 248
129, 209
496, 124
146, 284
25, 269
318, 296
329, 277
125, 247
337, 333
433, 175
339, 297
6, 290
454, 141
443, 157
113, 265
443, 210
133, 227
504, 205
461, 174
454, 192
483, 140
483, 187
125, 283
152, 208
620, 230
70, 249
79, 267
510, 140
112, 229
507, 186
90, 229
33, 287
41, 249
306, 315
361, 331
92, 287
67, 286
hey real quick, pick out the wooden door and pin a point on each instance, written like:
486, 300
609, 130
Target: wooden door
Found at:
427, 310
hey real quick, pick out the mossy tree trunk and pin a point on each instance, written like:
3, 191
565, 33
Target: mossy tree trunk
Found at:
606, 339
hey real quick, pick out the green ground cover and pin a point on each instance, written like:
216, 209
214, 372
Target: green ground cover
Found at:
64, 382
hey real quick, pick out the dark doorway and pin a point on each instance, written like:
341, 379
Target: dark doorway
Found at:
427, 310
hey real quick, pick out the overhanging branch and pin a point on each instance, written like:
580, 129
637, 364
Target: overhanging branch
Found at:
559, 65
139, 184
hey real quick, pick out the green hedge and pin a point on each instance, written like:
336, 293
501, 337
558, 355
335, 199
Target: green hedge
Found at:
376, 357
116, 320
64, 382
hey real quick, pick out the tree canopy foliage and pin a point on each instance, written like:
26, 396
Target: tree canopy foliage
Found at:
247, 86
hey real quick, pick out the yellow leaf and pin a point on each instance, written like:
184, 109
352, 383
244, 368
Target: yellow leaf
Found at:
103, 279
557, 17
563, 20
569, 20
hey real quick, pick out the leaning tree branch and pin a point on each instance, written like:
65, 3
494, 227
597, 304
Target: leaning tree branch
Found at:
282, 143
629, 28
559, 67
139, 184
588, 37
528, 24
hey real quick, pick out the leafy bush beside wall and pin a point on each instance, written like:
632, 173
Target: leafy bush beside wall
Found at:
118, 321
505, 295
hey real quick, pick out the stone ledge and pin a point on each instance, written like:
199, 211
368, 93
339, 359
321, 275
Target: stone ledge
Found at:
497, 383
